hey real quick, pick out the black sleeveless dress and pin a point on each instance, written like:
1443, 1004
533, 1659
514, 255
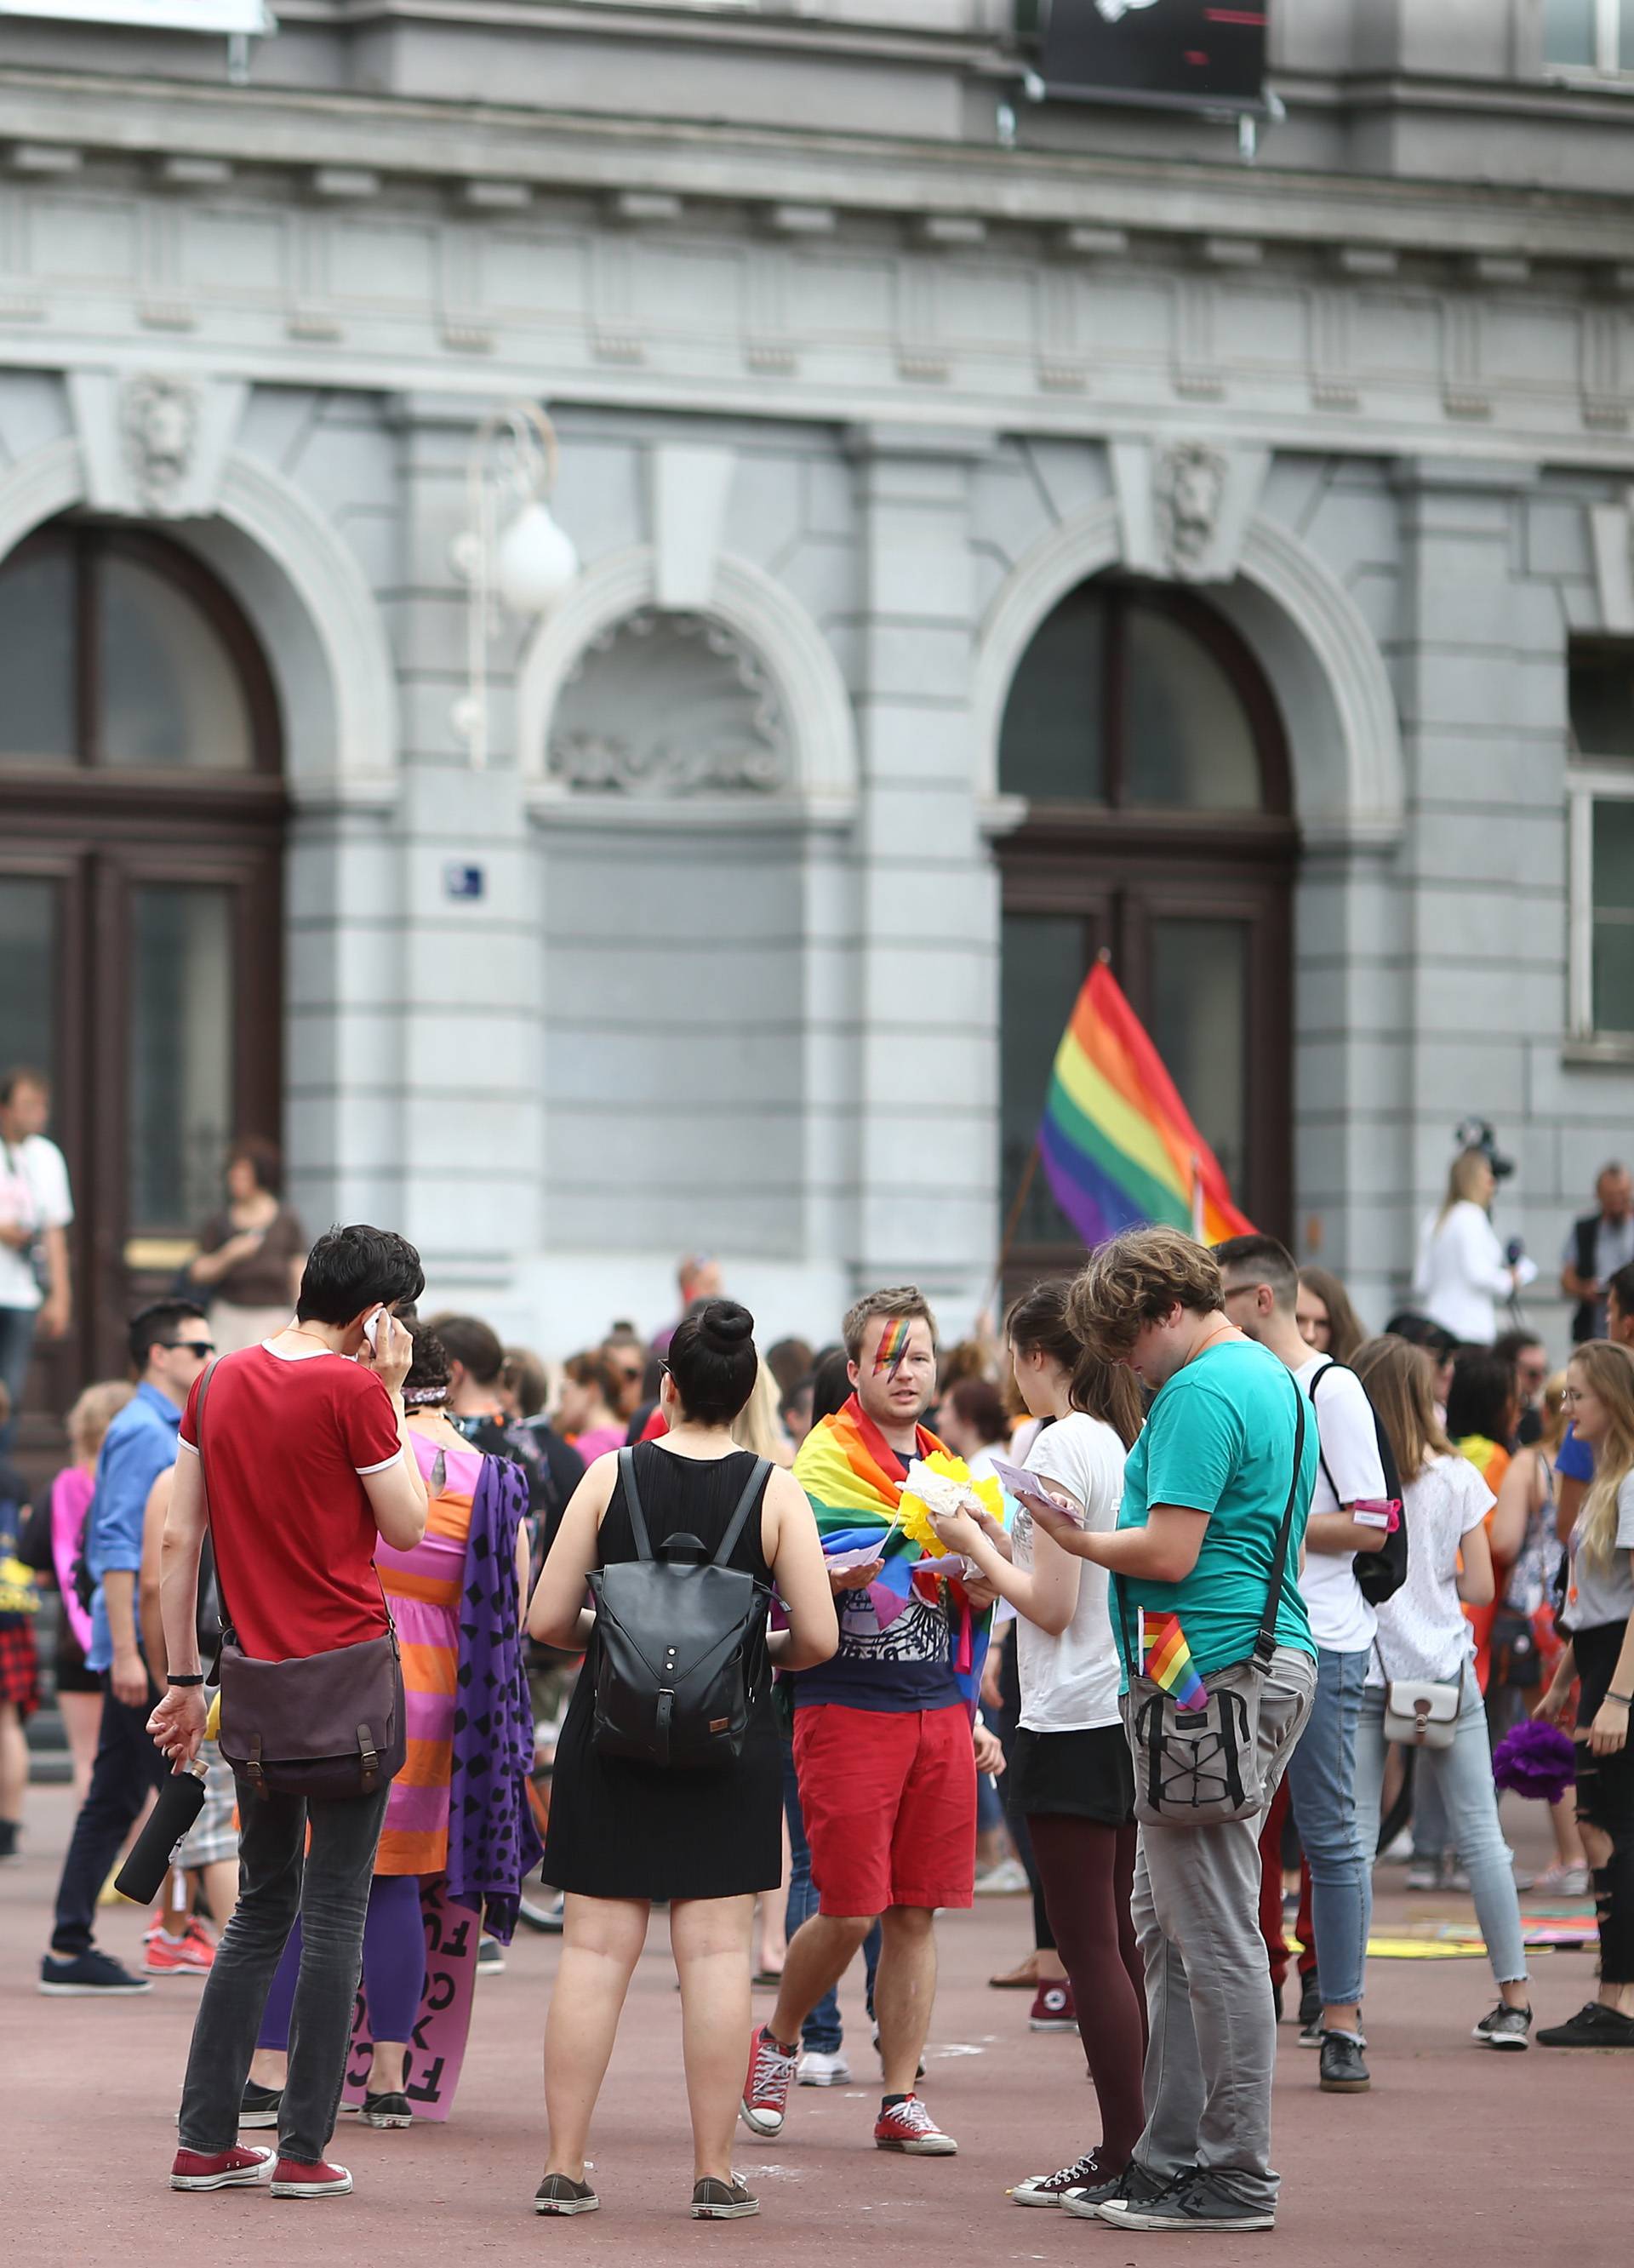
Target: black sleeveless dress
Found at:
621, 1830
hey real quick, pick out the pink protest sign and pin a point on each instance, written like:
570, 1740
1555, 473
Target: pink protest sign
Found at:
436, 2050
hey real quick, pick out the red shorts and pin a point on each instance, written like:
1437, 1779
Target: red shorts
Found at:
889, 1804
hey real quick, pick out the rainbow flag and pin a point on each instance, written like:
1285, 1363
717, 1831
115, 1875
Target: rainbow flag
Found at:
1118, 1145
854, 1479
1168, 1661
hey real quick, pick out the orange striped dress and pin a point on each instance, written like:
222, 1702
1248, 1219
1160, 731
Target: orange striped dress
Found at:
424, 1587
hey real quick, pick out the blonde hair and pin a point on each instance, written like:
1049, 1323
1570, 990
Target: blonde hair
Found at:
1399, 1379
1462, 1180
1137, 1278
1554, 1411
92, 1414
758, 1425
1610, 1375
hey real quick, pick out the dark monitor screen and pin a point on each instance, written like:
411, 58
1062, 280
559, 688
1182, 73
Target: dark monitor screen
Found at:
1201, 51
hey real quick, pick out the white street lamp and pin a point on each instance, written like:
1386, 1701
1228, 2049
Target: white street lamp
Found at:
528, 564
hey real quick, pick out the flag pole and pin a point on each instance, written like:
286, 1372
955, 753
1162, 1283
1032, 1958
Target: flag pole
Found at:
1198, 1212
1012, 1222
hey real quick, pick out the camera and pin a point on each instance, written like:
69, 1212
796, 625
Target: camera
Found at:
1476, 1134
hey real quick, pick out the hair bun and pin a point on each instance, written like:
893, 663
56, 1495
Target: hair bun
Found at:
726, 1322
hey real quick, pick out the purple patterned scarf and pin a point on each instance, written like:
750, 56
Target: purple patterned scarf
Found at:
493, 1844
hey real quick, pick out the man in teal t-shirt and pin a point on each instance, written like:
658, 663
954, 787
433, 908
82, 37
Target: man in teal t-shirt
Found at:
1204, 1493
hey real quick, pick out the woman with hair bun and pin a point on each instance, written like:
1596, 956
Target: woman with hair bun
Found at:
624, 1833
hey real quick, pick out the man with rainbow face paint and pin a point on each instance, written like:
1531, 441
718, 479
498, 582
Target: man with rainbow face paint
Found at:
883, 1735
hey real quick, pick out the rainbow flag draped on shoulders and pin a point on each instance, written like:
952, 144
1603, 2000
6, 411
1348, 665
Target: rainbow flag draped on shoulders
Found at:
854, 1479
1117, 1143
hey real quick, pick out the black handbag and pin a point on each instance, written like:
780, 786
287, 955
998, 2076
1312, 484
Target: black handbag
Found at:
682, 1642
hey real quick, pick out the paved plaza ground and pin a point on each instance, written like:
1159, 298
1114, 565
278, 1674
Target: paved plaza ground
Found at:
1457, 2156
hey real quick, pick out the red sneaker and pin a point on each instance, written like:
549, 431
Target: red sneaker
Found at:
765, 2103
1052, 2008
173, 1957
223, 2169
909, 2126
293, 2177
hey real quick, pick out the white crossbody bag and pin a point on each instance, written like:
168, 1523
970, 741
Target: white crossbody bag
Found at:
1421, 1713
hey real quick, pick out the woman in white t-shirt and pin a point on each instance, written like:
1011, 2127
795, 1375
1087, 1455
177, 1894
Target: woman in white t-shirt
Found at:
1070, 1771
1423, 1635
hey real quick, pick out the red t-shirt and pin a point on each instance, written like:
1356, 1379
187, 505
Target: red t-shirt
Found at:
286, 1439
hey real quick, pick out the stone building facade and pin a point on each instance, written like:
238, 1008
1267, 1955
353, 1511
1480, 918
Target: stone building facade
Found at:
921, 441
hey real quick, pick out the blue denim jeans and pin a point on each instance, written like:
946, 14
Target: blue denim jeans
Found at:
821, 2033
1321, 1786
1463, 1777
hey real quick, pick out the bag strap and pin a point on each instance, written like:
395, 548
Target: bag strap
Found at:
632, 1504
752, 1490
1265, 1644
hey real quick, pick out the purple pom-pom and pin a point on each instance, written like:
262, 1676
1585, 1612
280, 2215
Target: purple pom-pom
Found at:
1536, 1760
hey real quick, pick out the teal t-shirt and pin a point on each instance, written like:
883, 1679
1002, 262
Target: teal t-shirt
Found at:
1219, 1439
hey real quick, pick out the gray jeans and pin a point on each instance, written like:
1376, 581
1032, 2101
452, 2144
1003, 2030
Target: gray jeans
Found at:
1213, 2029
279, 1877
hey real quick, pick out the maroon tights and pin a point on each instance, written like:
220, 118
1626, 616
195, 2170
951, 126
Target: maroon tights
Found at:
1088, 1873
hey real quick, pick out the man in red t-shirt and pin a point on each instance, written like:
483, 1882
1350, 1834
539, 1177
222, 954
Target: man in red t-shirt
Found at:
306, 1460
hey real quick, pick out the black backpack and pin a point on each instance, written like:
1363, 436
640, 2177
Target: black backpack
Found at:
682, 1642
1379, 1574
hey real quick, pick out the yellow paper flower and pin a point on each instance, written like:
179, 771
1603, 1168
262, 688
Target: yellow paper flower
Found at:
913, 1512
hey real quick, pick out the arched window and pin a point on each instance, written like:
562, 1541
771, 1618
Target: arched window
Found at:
1149, 749
141, 832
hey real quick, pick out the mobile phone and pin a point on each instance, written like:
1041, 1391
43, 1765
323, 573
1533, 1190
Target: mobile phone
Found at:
372, 1328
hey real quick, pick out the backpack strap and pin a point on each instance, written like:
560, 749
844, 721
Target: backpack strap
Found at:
1265, 1644
753, 1489
632, 1504
1321, 1455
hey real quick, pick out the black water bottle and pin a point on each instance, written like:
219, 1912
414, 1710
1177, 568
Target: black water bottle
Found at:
181, 1800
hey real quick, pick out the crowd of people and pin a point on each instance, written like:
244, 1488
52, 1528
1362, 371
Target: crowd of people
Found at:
1210, 1583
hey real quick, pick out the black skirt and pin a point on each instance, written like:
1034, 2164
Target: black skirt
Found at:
1074, 1775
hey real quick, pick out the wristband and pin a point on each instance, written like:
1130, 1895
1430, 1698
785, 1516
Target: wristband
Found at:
1623, 1700
198, 1679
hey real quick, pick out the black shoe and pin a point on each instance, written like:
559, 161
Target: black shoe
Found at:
1133, 2186
387, 2110
1277, 1998
1310, 2009
1505, 2028
717, 2200
1087, 2173
1343, 2070
259, 2106
1594, 2026
1199, 2202
558, 2193
91, 1976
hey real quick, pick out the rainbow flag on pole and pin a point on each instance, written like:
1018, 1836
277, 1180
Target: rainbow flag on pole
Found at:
1117, 1143
1168, 1661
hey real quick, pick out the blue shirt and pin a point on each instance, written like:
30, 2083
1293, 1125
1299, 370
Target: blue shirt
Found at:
1219, 1439
1574, 1459
141, 1444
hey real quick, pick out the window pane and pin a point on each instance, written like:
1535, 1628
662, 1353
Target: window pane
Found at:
181, 1088
1200, 1027
1613, 975
28, 956
1613, 856
1600, 697
1569, 31
170, 691
1044, 962
1187, 743
1050, 746
1625, 36
37, 642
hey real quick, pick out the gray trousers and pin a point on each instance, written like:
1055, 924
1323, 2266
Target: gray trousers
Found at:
1213, 2029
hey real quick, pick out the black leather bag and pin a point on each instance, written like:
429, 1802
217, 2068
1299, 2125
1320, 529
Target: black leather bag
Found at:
682, 1642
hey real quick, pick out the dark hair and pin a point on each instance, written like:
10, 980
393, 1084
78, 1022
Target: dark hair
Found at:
787, 1400
1508, 1344
1268, 1260
264, 1160
1481, 1397
831, 1384
593, 1368
22, 1075
1419, 1331
523, 1375
789, 1361
471, 1344
980, 1404
1623, 1284
1344, 1325
155, 1325
351, 1269
713, 1361
1041, 1322
428, 1371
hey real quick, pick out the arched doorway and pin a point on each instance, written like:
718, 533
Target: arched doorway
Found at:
1150, 750
141, 833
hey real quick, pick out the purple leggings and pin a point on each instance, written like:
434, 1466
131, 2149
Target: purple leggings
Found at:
393, 1966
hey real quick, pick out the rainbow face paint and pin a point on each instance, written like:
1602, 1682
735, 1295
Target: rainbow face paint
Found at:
893, 1346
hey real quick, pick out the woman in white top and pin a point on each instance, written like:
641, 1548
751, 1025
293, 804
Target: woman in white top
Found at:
1423, 1636
1462, 1272
1071, 1769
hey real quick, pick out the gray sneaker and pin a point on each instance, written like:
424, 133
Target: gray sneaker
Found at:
1133, 2186
1505, 2028
1200, 2201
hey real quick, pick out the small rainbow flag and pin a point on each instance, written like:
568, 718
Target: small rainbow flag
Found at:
1117, 1143
1170, 1663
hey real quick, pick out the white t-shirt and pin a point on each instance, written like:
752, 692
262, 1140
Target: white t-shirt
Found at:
1069, 1683
1341, 1618
1422, 1630
1597, 1596
33, 1195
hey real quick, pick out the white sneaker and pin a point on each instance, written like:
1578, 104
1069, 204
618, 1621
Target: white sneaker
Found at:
818, 2067
1006, 1879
